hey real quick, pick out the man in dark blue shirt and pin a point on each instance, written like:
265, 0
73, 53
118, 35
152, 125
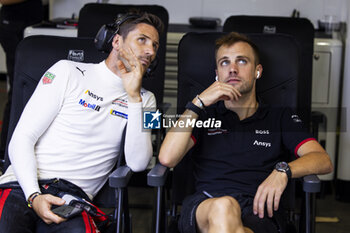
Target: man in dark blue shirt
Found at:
239, 167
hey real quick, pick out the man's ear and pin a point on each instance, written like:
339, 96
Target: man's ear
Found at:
117, 41
258, 71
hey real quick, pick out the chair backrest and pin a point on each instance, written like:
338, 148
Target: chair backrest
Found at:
196, 71
301, 29
93, 15
34, 55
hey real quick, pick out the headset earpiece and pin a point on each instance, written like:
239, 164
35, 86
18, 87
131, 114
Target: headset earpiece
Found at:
258, 74
103, 37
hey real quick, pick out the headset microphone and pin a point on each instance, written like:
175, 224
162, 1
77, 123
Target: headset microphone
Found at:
151, 68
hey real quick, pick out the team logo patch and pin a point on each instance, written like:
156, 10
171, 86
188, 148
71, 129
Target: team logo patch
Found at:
269, 29
88, 105
90, 93
119, 114
121, 102
82, 71
76, 55
212, 132
48, 78
263, 144
151, 120
262, 131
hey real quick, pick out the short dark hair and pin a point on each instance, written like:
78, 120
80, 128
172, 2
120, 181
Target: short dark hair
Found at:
234, 37
144, 17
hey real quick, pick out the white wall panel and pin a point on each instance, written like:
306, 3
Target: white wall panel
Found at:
181, 10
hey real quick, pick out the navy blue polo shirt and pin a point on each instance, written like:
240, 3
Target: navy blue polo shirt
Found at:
238, 156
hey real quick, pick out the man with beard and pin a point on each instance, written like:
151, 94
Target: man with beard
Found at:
239, 169
69, 134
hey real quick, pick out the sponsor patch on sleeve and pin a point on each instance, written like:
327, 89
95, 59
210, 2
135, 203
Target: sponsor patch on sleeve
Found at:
48, 78
119, 114
121, 102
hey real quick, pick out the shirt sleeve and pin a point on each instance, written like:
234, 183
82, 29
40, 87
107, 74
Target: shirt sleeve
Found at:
36, 117
294, 133
138, 143
197, 132
195, 135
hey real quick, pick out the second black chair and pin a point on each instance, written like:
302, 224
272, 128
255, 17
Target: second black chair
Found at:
196, 71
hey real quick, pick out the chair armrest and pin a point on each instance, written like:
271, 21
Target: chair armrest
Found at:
120, 177
164, 107
311, 184
157, 176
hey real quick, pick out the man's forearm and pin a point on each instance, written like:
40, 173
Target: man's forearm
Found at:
138, 144
24, 164
311, 163
177, 141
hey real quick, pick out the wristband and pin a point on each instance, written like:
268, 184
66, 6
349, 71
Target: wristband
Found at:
194, 108
31, 199
202, 106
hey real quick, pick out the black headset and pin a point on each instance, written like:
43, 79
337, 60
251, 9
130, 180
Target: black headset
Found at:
104, 37
107, 32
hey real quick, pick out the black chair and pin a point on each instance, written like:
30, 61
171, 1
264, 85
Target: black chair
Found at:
34, 56
196, 71
303, 32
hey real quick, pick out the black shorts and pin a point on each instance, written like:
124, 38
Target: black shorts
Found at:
187, 222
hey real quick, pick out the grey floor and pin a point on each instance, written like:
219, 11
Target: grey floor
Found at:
328, 209
333, 210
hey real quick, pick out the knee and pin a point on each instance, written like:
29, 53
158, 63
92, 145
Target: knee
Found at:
225, 207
